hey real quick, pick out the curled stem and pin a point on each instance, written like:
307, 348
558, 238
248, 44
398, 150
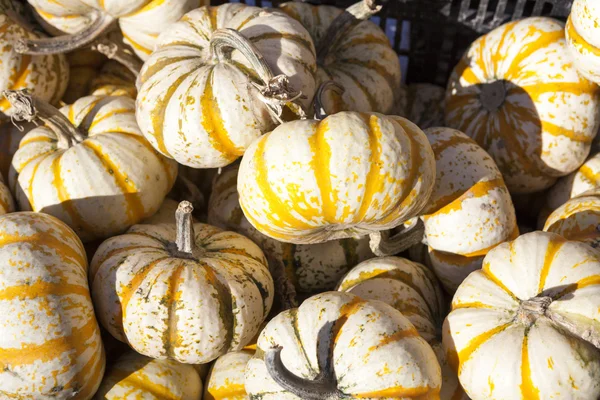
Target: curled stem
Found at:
320, 112
382, 244
117, 52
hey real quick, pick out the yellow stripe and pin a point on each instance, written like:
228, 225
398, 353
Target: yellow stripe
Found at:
528, 389
555, 130
579, 40
374, 181
465, 354
98, 119
320, 164
486, 271
396, 337
402, 392
471, 304
588, 174
42, 289
554, 246
587, 281
136, 45
545, 39
230, 391
140, 384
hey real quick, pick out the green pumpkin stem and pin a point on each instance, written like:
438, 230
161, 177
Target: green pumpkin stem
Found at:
382, 244
185, 228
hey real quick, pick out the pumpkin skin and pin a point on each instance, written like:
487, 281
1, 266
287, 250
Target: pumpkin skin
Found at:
45, 77
315, 267
222, 113
583, 32
365, 355
364, 63
134, 376
141, 21
578, 219
535, 117
348, 175
101, 186
226, 378
191, 310
501, 348
50, 346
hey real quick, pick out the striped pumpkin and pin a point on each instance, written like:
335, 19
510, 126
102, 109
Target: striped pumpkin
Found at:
346, 176
45, 77
190, 307
310, 268
224, 110
101, 185
140, 21
378, 352
113, 80
519, 327
517, 93
226, 380
413, 290
583, 38
50, 347
134, 376
363, 62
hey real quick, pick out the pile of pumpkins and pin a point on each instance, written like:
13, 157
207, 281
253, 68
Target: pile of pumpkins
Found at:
229, 202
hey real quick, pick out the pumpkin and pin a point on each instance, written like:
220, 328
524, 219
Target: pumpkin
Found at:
337, 345
11, 135
517, 93
225, 380
357, 55
187, 291
45, 76
89, 166
525, 325
230, 66
583, 33
113, 80
7, 204
140, 21
51, 346
134, 376
83, 67
413, 290
309, 267
422, 104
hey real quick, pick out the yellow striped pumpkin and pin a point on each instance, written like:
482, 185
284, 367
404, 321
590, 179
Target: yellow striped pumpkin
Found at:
413, 290
347, 175
583, 38
50, 347
100, 185
522, 327
309, 267
226, 380
362, 62
198, 98
134, 376
188, 305
378, 353
518, 94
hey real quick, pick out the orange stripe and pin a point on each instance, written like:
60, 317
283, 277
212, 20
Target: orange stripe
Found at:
528, 389
465, 354
40, 241
374, 180
139, 384
554, 246
486, 271
42, 289
555, 130
545, 39
320, 164
100, 118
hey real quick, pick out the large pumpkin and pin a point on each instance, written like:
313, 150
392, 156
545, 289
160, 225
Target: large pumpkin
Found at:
358, 57
188, 292
50, 346
229, 65
518, 94
309, 267
226, 380
583, 37
347, 175
337, 344
523, 326
90, 167
134, 376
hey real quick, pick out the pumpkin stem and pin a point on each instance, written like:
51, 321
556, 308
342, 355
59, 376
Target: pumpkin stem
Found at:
66, 43
275, 91
29, 108
321, 388
383, 245
492, 95
186, 189
320, 113
343, 24
185, 228
116, 51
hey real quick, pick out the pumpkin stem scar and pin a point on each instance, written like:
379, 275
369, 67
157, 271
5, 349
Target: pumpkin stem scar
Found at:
321, 388
383, 245
29, 108
343, 24
492, 95
66, 43
185, 229
116, 51
320, 113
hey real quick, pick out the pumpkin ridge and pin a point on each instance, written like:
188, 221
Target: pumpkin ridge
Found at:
134, 379
554, 246
556, 130
465, 354
161, 159
173, 296
252, 16
321, 166
528, 390
228, 317
587, 281
371, 65
99, 118
579, 40
493, 278
371, 100
282, 35
90, 368
42, 157
136, 45
374, 176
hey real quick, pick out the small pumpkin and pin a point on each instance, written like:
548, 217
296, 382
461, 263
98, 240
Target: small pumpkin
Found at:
583, 33
230, 66
135, 376
337, 345
89, 165
226, 380
114, 79
423, 104
525, 325
357, 55
51, 346
187, 291
518, 94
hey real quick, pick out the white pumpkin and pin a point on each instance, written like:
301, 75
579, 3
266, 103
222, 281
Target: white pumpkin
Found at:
518, 94
227, 65
583, 37
523, 326
226, 379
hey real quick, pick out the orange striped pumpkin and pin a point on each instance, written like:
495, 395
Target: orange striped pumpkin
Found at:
347, 175
518, 94
101, 185
226, 380
50, 347
524, 326
583, 38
